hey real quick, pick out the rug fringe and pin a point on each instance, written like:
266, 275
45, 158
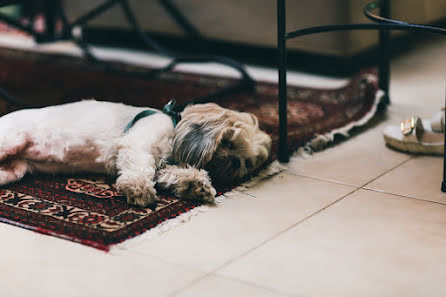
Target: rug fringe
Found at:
323, 140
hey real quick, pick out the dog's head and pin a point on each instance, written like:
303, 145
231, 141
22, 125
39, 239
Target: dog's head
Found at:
227, 143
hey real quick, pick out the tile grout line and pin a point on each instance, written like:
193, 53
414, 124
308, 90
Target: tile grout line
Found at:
245, 191
252, 284
396, 194
161, 259
322, 179
212, 274
391, 169
403, 196
351, 185
195, 281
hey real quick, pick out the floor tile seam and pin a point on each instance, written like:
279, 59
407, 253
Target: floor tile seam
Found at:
277, 234
404, 196
188, 285
159, 258
349, 184
321, 179
387, 171
256, 285
245, 191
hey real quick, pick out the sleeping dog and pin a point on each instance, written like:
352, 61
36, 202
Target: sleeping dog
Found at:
208, 142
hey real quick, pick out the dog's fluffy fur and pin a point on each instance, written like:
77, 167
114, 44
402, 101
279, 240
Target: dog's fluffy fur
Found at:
87, 136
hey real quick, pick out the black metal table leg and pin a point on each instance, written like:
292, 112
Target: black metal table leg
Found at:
281, 40
384, 52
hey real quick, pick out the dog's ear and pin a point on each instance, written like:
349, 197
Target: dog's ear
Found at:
194, 144
254, 119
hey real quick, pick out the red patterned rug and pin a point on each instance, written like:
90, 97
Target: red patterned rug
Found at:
87, 209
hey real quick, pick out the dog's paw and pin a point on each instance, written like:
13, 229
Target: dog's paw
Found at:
12, 171
196, 187
137, 194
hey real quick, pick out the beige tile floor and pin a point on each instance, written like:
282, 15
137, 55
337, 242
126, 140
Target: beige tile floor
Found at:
356, 219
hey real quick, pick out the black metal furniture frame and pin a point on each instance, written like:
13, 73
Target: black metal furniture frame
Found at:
383, 23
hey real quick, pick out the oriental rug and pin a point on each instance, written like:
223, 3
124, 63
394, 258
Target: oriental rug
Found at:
87, 208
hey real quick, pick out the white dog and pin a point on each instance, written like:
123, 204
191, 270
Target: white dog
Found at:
87, 136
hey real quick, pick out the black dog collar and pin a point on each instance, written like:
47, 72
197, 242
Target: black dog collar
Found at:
168, 109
